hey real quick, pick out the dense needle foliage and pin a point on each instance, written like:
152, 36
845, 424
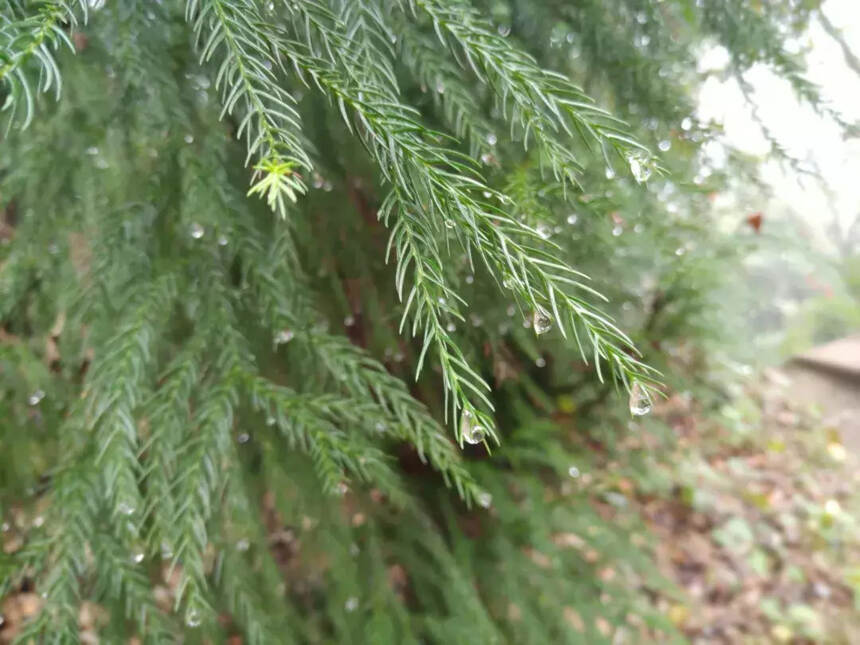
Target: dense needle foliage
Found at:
318, 270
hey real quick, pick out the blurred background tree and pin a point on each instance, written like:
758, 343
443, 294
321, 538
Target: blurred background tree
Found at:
361, 401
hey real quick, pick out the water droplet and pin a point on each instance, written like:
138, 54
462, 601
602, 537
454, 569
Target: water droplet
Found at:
470, 279
640, 400
341, 488
318, 181
664, 145
832, 507
610, 174
504, 30
509, 283
492, 139
540, 361
617, 230
270, 421
351, 604
102, 164
485, 499
398, 357
544, 231
284, 336
327, 186
679, 251
188, 138
441, 300
38, 521
137, 556
192, 617
573, 471
36, 397
243, 544
641, 17
449, 223
380, 427
472, 431
243, 437
487, 194
222, 240
166, 550
572, 218
511, 310
196, 231
349, 321
687, 123
440, 88
640, 166
487, 158
451, 327
4, 527
542, 321
93, 151
125, 508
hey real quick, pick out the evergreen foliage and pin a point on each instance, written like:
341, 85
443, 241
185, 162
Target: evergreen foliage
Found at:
201, 350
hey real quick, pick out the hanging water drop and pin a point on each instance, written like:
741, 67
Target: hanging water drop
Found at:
687, 123
284, 336
572, 218
617, 230
450, 327
188, 138
472, 431
540, 361
166, 550
510, 311
544, 231
270, 421
573, 471
92, 151
486, 158
640, 400
640, 166
341, 488
664, 145
243, 545
137, 556
351, 604
449, 223
243, 437
610, 174
470, 279
36, 397
349, 321
492, 139
222, 240
318, 181
509, 283
542, 321
196, 231
380, 427
125, 508
485, 499
192, 617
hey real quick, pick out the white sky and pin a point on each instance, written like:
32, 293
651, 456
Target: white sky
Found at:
804, 134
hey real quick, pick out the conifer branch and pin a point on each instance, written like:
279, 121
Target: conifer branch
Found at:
269, 121
541, 103
437, 192
23, 37
282, 292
